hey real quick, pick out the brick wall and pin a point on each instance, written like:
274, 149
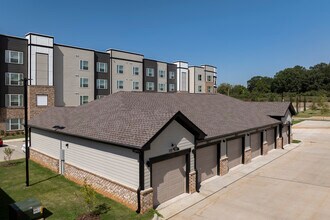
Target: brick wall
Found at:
45, 160
247, 155
223, 166
7, 113
146, 200
33, 91
192, 182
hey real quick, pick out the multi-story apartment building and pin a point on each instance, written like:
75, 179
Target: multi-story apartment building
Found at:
62, 75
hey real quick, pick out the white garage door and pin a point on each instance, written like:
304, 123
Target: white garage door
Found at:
256, 144
206, 162
234, 152
168, 179
285, 132
271, 138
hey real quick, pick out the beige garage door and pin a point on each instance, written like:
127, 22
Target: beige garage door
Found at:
206, 162
234, 152
256, 144
168, 179
285, 132
271, 138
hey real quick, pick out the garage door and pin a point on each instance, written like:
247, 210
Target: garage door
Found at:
168, 179
271, 138
256, 144
285, 133
234, 152
206, 162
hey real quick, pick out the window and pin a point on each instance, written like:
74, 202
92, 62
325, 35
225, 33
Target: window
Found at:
209, 88
136, 86
150, 86
83, 99
199, 77
83, 65
14, 57
99, 96
150, 72
172, 75
14, 79
14, 124
101, 84
14, 100
101, 67
171, 87
42, 100
83, 82
161, 87
136, 71
161, 73
209, 78
120, 84
199, 88
120, 69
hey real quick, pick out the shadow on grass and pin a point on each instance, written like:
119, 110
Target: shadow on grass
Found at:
5, 200
40, 181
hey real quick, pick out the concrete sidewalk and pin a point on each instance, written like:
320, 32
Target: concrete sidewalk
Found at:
217, 183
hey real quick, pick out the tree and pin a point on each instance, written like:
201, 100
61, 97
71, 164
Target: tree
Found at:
289, 80
8, 154
261, 84
224, 88
238, 90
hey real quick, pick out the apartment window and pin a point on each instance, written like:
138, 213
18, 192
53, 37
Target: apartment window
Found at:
99, 96
83, 99
83, 82
14, 124
101, 67
209, 88
150, 72
161, 87
83, 65
136, 71
172, 75
199, 88
120, 69
209, 78
14, 79
171, 87
150, 86
14, 100
199, 77
101, 84
42, 100
136, 86
161, 73
120, 84
14, 57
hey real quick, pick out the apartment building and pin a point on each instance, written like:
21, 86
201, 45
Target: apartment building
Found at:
210, 78
202, 79
182, 76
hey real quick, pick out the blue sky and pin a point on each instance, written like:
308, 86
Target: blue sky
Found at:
242, 38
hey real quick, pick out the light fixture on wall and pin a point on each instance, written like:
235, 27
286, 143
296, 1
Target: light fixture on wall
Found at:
174, 147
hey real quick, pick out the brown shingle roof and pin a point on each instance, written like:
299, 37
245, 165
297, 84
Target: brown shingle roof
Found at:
133, 118
275, 109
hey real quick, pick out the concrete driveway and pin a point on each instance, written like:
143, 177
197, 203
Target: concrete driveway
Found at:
16, 145
296, 185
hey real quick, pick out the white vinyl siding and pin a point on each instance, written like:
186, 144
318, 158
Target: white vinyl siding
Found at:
101, 67
111, 162
184, 81
14, 79
14, 124
14, 57
173, 134
150, 72
14, 100
101, 84
83, 65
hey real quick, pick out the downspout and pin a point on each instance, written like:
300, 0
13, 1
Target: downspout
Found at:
141, 179
195, 165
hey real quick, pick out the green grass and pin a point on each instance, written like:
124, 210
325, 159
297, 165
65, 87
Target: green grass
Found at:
10, 137
296, 141
56, 193
310, 113
296, 121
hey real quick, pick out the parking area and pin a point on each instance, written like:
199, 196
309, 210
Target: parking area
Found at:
286, 184
14, 144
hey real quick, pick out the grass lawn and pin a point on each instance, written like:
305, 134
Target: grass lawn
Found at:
296, 141
9, 137
296, 121
310, 113
56, 193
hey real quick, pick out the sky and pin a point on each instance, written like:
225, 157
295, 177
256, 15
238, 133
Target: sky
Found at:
243, 38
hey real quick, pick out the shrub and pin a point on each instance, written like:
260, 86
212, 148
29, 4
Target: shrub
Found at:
8, 153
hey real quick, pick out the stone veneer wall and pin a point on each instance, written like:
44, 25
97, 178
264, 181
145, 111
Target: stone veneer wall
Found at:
116, 191
192, 182
279, 143
146, 199
45, 160
223, 166
33, 91
7, 113
247, 155
265, 148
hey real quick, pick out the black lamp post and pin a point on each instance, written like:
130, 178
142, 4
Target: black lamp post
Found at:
27, 149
